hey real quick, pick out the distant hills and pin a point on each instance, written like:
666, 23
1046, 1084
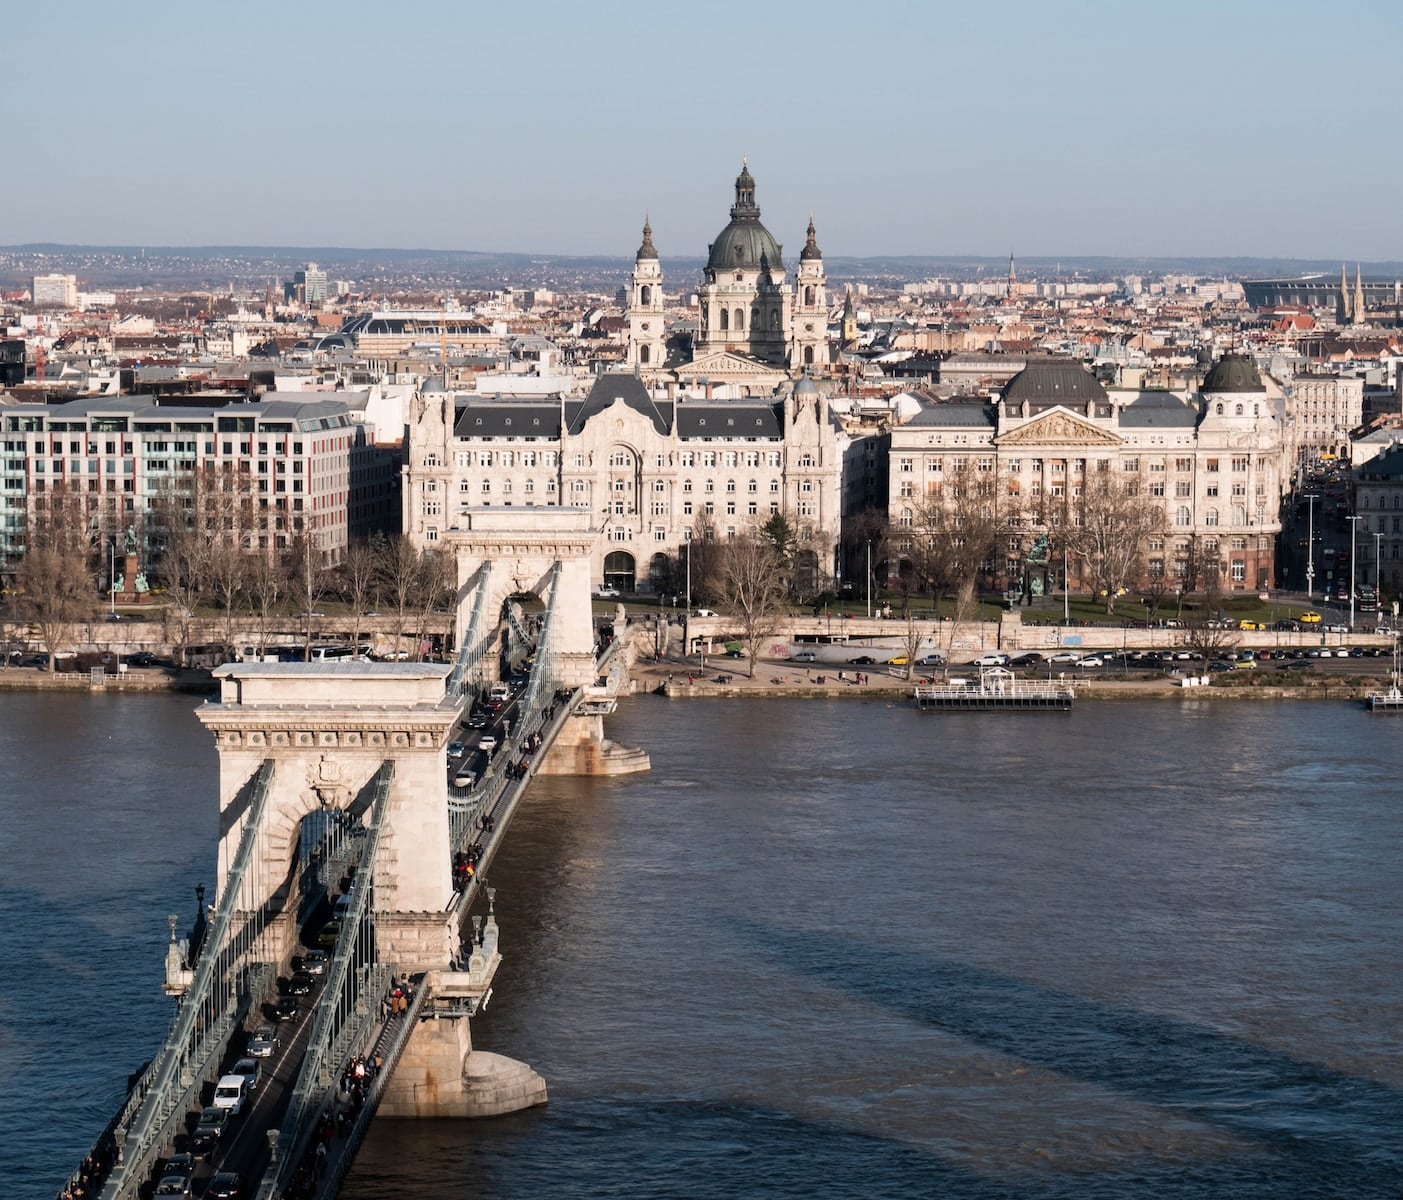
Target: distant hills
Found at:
386, 269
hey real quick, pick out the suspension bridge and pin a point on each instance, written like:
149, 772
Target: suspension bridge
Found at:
344, 827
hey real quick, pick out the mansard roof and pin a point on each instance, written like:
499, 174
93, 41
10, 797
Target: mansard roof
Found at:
729, 419
1158, 410
1048, 381
970, 415
618, 386
508, 418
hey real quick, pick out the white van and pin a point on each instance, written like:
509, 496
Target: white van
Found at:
230, 1092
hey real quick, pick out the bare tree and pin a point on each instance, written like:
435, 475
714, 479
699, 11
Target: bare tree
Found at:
433, 581
704, 552
54, 579
358, 575
308, 580
960, 531
1107, 530
751, 584
265, 586
397, 573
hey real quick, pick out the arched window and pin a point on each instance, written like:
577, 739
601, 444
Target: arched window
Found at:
645, 295
1181, 516
809, 295
808, 355
725, 319
1238, 412
740, 319
1239, 515
643, 354
756, 321
774, 318
1210, 517
1219, 409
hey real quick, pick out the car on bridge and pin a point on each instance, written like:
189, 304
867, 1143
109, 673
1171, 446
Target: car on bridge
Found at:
208, 1131
487, 744
263, 1042
287, 1008
249, 1069
176, 1176
456, 749
301, 984
226, 1185
314, 962
232, 1090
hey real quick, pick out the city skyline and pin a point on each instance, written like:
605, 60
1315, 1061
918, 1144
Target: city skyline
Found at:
1083, 131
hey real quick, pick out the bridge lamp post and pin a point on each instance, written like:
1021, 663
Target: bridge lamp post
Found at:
1353, 572
1378, 589
1310, 548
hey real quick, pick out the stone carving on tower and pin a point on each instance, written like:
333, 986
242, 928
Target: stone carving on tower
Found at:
809, 344
647, 336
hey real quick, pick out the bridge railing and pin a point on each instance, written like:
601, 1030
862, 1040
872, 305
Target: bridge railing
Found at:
346, 1009
228, 978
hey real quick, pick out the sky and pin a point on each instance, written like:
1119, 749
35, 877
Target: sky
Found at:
1043, 129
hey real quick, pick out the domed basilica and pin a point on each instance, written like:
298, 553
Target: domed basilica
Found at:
751, 314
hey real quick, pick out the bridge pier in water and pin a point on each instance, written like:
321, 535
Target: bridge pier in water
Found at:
329, 729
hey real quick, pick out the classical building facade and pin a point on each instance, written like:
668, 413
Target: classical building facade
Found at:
749, 308
1326, 409
652, 472
1217, 460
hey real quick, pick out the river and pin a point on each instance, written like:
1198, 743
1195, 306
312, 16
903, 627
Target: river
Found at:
1147, 949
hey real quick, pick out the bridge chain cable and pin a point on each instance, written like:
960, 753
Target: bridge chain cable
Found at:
473, 647
228, 978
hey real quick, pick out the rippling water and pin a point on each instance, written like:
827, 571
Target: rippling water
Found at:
1144, 950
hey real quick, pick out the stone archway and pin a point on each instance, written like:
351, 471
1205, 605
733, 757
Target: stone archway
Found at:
328, 734
509, 551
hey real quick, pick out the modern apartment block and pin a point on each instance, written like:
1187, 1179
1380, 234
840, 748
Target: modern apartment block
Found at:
301, 467
55, 291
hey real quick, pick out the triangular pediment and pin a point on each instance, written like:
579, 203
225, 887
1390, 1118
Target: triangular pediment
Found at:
1058, 427
726, 365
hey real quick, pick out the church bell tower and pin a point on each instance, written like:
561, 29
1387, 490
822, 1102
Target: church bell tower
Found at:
808, 345
647, 337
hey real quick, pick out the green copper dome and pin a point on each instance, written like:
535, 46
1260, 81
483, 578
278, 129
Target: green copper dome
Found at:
1234, 373
744, 242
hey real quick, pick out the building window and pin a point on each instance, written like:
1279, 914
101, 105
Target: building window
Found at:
1181, 516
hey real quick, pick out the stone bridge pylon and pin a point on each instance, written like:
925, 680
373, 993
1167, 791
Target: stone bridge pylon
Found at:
508, 552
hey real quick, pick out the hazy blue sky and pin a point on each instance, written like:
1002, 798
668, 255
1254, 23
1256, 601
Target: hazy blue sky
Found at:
922, 128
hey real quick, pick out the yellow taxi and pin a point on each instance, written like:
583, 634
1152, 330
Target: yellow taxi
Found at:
1248, 626
1309, 618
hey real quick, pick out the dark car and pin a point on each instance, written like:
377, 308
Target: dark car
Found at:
314, 962
286, 1009
300, 984
1031, 659
142, 658
862, 660
176, 1175
210, 1128
227, 1185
